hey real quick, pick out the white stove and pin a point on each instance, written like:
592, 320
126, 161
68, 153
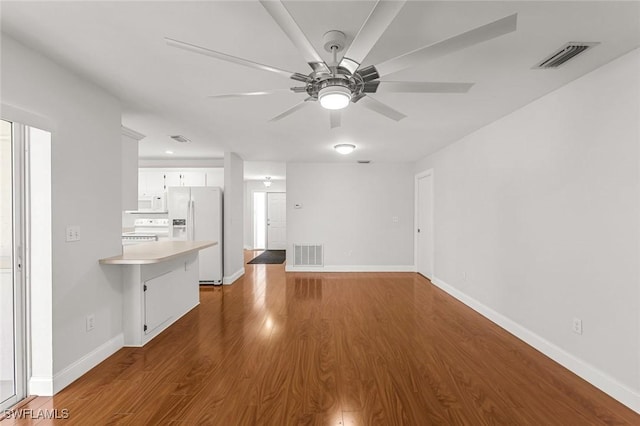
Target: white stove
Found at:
147, 230
159, 227
130, 238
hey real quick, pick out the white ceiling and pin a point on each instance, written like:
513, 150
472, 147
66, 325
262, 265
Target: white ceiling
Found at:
120, 46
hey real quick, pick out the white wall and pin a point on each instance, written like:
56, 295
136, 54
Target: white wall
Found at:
541, 210
350, 209
129, 155
233, 218
86, 191
251, 186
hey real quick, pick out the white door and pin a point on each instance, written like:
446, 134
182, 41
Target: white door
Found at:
276, 221
11, 264
424, 224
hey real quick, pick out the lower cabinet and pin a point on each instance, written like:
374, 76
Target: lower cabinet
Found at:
156, 295
158, 300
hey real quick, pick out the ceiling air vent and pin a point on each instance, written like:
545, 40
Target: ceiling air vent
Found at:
364, 161
180, 138
565, 53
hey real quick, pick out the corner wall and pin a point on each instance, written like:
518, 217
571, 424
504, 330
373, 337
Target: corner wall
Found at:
540, 211
233, 201
85, 191
361, 213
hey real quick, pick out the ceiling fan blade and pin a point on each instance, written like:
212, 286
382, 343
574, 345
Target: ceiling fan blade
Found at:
283, 18
380, 108
291, 110
239, 95
335, 118
382, 14
444, 47
416, 87
218, 55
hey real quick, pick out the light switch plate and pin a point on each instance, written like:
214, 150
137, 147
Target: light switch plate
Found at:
73, 233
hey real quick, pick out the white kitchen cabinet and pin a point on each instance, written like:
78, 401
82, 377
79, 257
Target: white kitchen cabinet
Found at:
161, 284
194, 178
150, 182
215, 177
172, 178
155, 181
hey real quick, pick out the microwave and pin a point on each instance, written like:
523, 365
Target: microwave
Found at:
152, 203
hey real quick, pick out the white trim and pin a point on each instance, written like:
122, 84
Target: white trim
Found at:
352, 268
428, 172
230, 279
74, 371
28, 118
132, 133
599, 379
42, 386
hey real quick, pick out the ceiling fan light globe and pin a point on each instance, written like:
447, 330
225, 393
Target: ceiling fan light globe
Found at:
334, 97
345, 148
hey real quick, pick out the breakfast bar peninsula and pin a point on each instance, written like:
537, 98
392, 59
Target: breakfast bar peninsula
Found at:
160, 285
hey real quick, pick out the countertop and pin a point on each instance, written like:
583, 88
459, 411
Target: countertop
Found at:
155, 252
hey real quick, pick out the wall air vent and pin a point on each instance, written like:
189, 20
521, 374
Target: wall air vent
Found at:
564, 54
364, 161
307, 255
180, 138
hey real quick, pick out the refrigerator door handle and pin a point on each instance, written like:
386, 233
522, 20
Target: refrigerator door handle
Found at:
193, 220
189, 224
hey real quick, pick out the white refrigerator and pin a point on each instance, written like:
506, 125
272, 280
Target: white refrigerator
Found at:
195, 214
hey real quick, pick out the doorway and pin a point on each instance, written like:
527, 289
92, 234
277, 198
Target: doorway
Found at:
424, 241
269, 220
12, 279
276, 221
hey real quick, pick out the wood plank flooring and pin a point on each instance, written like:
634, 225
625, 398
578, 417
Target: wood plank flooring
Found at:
331, 349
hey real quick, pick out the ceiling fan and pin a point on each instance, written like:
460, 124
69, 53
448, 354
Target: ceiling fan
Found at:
337, 85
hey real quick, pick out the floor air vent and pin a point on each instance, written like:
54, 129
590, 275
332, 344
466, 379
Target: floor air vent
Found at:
307, 255
564, 54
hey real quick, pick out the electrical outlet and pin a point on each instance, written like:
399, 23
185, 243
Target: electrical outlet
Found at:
577, 325
91, 322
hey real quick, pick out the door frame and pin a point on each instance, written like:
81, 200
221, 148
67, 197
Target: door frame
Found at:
19, 260
266, 202
418, 176
255, 219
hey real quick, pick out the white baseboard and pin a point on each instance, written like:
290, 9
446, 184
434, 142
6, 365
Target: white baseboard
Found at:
230, 279
42, 386
72, 372
351, 268
599, 379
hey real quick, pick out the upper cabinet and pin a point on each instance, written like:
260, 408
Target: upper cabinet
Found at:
129, 141
196, 178
155, 181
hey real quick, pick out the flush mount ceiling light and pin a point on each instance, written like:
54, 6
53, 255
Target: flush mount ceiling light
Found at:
334, 97
168, 152
267, 182
345, 148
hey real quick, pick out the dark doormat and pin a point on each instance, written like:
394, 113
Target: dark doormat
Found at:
270, 257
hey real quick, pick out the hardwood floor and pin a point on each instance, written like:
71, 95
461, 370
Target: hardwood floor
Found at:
332, 349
